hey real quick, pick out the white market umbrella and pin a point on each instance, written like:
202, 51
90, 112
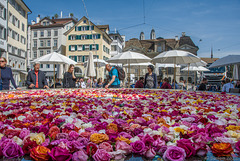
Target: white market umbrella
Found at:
97, 62
166, 66
236, 72
54, 58
176, 57
90, 69
225, 61
129, 57
139, 66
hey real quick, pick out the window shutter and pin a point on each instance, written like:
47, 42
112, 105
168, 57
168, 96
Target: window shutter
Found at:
75, 58
90, 36
69, 37
4, 13
79, 37
75, 28
87, 27
75, 47
5, 34
92, 27
79, 28
87, 36
97, 46
83, 59
90, 47
69, 47
99, 36
83, 47
98, 56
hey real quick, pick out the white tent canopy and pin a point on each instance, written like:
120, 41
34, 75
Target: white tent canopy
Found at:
166, 65
97, 63
138, 65
227, 60
195, 68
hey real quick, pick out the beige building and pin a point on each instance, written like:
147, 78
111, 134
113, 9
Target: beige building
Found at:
17, 39
87, 37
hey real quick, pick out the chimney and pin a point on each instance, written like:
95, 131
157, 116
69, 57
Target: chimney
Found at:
176, 38
61, 14
33, 22
115, 30
38, 19
183, 34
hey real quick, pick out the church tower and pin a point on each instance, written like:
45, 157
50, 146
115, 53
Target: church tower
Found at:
152, 35
142, 36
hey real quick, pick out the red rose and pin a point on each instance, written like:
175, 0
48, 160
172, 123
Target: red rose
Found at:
28, 144
91, 149
222, 149
10, 133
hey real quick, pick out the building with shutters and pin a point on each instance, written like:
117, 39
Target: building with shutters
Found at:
3, 28
47, 36
17, 17
87, 37
117, 44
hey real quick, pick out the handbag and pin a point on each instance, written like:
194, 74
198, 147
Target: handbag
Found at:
0, 81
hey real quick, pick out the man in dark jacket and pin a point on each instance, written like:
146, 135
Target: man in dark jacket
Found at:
203, 85
36, 78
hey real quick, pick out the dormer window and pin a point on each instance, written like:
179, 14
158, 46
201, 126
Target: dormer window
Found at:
47, 23
44, 23
84, 21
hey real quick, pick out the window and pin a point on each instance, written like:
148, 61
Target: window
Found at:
159, 48
94, 47
96, 36
72, 37
86, 57
48, 65
41, 53
35, 43
23, 40
41, 65
84, 21
72, 47
72, 57
42, 33
79, 59
41, 43
44, 23
47, 23
9, 32
35, 33
80, 48
19, 52
48, 51
2, 12
87, 47
104, 48
114, 47
35, 54
49, 33
49, 43
55, 43
23, 27
84, 37
2, 33
56, 33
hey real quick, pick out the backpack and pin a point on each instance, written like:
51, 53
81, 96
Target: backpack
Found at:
121, 73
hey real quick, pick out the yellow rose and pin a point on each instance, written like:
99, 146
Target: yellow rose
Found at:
98, 138
178, 129
1, 135
123, 139
38, 138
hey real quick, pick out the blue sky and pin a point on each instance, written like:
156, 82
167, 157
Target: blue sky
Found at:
215, 22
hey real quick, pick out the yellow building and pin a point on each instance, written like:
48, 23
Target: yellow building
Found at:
17, 39
87, 37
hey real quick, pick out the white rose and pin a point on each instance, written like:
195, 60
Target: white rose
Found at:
136, 138
18, 140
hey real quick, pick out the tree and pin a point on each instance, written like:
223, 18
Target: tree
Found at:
71, 15
56, 16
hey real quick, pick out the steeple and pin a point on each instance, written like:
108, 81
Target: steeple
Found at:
142, 36
152, 35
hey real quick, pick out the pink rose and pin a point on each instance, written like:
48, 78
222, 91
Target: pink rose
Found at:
121, 145
24, 132
138, 147
150, 153
12, 150
157, 144
62, 136
80, 155
101, 155
117, 155
59, 154
73, 135
187, 145
237, 146
106, 146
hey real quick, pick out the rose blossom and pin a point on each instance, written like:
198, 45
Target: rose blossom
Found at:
24, 132
237, 146
80, 155
73, 135
162, 150
117, 155
187, 146
91, 149
121, 145
101, 155
106, 146
62, 136
138, 147
147, 139
12, 150
157, 144
58, 153
150, 153
174, 153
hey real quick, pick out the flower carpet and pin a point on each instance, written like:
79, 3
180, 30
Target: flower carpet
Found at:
103, 125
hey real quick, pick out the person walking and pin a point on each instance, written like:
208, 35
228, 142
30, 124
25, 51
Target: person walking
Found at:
69, 79
113, 74
140, 83
150, 78
6, 75
36, 78
166, 84
226, 87
203, 85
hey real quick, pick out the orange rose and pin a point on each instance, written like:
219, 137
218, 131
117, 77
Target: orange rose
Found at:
123, 139
40, 153
112, 126
222, 149
53, 131
98, 138
85, 134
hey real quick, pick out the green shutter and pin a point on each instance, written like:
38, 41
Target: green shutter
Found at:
75, 28
69, 37
75, 57
87, 37
92, 27
69, 47
79, 37
75, 47
90, 47
99, 36
97, 46
98, 56
83, 47
87, 27
90, 36
83, 59
79, 28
